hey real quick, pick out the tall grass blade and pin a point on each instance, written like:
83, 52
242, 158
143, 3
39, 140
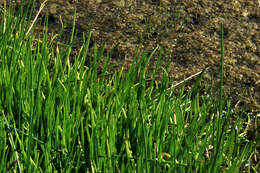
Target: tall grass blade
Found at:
219, 113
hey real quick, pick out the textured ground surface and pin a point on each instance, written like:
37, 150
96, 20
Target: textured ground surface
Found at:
190, 30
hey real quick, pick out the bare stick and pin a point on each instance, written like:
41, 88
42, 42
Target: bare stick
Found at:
192, 76
42, 6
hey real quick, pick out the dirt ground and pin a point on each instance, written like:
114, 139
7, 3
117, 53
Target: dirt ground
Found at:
190, 30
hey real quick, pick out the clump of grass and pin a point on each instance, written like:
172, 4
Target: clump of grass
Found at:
58, 116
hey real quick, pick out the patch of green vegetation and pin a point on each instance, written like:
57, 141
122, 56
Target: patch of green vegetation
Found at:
59, 116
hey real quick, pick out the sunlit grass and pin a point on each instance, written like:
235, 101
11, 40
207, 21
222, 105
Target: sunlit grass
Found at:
58, 116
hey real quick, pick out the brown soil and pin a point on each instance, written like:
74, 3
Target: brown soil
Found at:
190, 30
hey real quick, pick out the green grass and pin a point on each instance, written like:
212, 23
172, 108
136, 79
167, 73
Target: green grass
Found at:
57, 116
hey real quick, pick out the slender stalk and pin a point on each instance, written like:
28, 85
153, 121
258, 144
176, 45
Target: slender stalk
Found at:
220, 106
